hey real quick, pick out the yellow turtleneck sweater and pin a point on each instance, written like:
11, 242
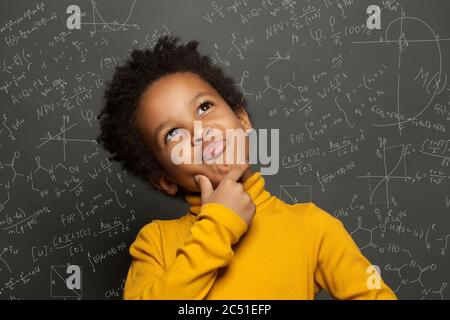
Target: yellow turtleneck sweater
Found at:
287, 252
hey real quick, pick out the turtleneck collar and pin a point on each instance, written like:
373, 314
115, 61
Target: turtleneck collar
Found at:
254, 185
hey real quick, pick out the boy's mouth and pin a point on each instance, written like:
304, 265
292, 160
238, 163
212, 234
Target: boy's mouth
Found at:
213, 149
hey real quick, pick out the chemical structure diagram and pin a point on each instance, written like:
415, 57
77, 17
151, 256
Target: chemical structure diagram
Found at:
364, 236
411, 274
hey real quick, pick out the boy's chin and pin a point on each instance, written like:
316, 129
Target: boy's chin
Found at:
223, 168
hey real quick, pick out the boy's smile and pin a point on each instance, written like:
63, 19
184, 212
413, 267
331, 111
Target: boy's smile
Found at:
168, 108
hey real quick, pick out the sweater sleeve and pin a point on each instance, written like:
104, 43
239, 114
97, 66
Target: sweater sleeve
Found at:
342, 270
192, 274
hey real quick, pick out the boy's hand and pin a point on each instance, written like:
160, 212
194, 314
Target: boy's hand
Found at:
229, 193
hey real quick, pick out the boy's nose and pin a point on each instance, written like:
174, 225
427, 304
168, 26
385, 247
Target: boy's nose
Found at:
205, 134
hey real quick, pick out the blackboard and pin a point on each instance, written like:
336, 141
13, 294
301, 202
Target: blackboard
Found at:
363, 115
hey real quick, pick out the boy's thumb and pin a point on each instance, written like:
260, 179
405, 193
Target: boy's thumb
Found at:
205, 185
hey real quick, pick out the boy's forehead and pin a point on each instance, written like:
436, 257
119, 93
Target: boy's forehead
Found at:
174, 91
168, 97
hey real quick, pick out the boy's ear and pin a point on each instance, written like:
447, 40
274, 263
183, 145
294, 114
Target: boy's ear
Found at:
164, 184
244, 118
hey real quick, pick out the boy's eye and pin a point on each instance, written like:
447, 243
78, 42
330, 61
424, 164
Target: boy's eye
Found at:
172, 133
204, 106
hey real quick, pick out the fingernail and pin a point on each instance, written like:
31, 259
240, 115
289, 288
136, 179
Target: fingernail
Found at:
196, 179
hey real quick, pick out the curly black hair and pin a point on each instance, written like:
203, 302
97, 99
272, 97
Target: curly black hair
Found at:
122, 94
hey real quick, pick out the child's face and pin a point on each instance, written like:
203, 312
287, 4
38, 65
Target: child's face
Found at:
171, 103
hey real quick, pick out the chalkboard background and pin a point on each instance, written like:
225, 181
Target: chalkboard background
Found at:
363, 117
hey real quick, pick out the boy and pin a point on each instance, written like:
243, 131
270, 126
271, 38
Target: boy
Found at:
237, 241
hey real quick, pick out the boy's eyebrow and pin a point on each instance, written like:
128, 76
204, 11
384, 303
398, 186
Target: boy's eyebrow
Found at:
162, 125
